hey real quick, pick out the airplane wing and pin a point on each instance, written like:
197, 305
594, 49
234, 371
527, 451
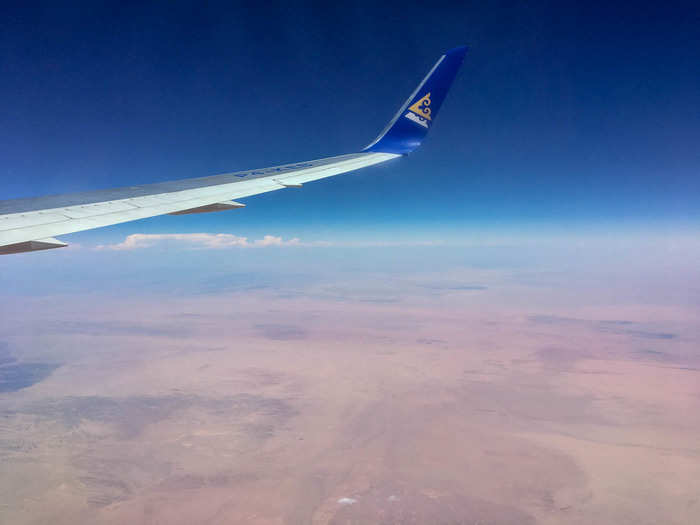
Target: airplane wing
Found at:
32, 224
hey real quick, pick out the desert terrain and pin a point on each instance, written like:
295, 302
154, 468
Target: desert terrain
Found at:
476, 397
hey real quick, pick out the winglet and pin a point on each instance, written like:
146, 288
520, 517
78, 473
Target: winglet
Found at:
410, 125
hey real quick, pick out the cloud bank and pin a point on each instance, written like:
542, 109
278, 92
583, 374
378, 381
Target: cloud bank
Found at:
215, 241
209, 241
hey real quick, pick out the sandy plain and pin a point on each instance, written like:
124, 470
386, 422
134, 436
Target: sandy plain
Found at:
447, 404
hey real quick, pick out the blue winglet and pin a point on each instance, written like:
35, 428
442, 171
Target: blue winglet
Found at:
410, 125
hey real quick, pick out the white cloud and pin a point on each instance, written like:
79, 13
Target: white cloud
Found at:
271, 240
209, 241
214, 241
347, 501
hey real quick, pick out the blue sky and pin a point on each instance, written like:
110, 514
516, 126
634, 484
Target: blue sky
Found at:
565, 117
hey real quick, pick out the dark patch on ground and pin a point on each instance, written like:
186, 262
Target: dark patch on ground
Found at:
15, 377
379, 300
281, 332
658, 356
621, 327
430, 341
643, 334
115, 471
6, 356
97, 328
241, 282
103, 491
617, 322
353, 295
193, 481
453, 286
131, 415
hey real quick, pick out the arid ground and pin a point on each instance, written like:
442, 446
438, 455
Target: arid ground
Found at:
477, 396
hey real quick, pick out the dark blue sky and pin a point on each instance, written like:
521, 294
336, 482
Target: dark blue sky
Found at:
564, 115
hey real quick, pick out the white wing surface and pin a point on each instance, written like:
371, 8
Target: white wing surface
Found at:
31, 224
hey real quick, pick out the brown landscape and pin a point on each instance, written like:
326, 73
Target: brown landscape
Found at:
475, 398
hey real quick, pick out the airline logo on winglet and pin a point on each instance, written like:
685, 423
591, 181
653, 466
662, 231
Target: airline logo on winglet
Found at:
420, 111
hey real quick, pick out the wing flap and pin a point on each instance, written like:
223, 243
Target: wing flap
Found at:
218, 206
32, 246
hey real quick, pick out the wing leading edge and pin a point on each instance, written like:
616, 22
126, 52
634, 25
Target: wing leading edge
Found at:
30, 224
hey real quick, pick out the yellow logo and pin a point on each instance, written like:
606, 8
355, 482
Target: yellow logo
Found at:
422, 107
